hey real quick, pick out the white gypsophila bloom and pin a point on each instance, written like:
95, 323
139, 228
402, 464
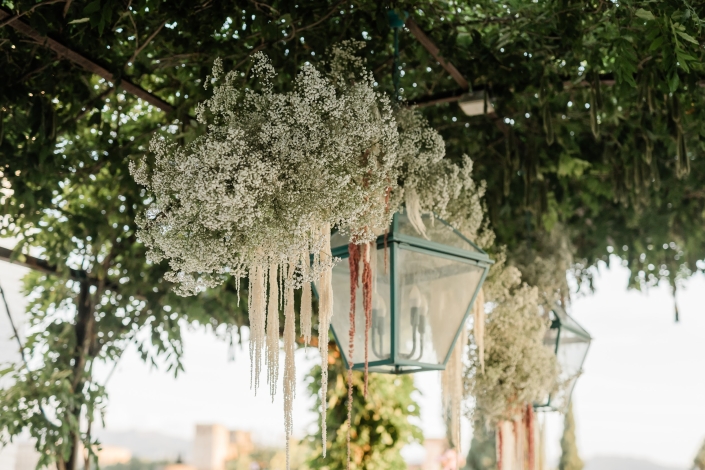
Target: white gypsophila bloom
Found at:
433, 183
258, 193
518, 367
270, 170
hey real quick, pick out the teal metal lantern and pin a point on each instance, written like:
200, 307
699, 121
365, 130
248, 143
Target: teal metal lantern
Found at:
422, 292
570, 342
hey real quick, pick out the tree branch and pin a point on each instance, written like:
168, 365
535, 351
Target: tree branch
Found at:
87, 64
144, 44
10, 19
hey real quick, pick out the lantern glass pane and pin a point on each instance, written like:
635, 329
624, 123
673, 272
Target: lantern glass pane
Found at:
380, 333
434, 294
436, 230
572, 349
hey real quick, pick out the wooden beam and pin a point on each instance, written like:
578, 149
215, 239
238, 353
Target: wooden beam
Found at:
436, 53
86, 64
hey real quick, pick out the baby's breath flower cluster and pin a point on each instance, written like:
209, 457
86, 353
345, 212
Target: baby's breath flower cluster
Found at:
258, 193
432, 183
270, 171
519, 369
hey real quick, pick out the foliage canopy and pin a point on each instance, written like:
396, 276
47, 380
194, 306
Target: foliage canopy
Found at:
597, 128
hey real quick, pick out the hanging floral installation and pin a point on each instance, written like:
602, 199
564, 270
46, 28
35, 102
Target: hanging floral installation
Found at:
239, 200
517, 369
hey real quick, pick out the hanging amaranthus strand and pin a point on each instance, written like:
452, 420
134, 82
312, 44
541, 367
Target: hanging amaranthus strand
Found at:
273, 331
478, 311
529, 420
499, 446
354, 263
306, 312
289, 362
257, 302
367, 302
325, 312
452, 389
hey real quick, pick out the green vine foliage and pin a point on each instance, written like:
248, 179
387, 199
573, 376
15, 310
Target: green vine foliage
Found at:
381, 425
570, 460
483, 448
597, 128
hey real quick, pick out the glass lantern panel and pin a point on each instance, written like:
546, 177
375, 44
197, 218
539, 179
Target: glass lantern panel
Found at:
380, 333
338, 239
434, 295
436, 230
572, 349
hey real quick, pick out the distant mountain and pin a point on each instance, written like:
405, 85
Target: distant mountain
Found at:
624, 463
148, 445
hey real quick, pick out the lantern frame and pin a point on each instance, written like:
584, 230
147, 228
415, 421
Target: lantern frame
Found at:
560, 320
395, 241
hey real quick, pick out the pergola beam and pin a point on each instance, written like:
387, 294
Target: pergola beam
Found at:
431, 47
86, 64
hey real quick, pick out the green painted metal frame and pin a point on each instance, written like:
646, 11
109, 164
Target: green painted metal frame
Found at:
395, 242
558, 325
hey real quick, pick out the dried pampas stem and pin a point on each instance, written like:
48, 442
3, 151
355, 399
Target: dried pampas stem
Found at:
478, 312
273, 331
289, 361
305, 299
367, 302
325, 312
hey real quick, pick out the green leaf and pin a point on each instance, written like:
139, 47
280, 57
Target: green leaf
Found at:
645, 14
80, 20
656, 43
92, 7
687, 37
673, 82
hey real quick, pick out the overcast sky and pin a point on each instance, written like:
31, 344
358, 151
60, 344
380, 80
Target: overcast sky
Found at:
642, 394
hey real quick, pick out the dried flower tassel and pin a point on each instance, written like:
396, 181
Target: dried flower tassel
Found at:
517, 455
367, 303
499, 447
452, 389
413, 211
289, 362
478, 310
325, 312
354, 264
273, 331
257, 308
541, 465
529, 420
305, 300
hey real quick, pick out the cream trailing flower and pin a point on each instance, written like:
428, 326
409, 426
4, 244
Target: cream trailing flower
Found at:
240, 200
519, 369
